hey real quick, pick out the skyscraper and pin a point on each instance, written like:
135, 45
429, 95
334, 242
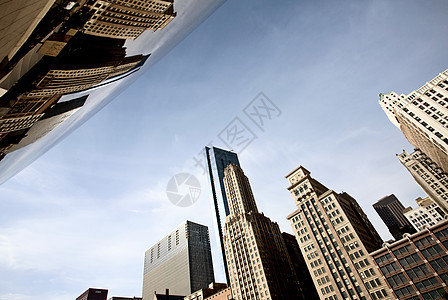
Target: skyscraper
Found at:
180, 262
422, 116
335, 238
256, 255
390, 210
217, 161
430, 177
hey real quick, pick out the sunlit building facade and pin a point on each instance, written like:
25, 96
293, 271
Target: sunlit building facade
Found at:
128, 19
422, 116
180, 262
428, 175
257, 258
427, 214
335, 237
217, 160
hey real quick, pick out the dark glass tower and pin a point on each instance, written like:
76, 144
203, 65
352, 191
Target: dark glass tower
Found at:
390, 210
217, 161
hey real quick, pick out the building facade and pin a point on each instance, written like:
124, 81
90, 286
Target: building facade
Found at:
422, 116
258, 262
217, 160
128, 19
93, 294
204, 293
225, 294
428, 175
416, 267
390, 210
427, 214
335, 237
180, 262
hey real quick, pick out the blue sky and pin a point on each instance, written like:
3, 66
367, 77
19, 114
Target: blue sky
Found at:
84, 213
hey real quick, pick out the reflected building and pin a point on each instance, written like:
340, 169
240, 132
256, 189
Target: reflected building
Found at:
128, 19
49, 121
86, 62
51, 49
181, 262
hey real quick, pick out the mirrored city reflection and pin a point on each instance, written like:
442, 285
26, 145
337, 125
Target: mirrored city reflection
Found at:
62, 61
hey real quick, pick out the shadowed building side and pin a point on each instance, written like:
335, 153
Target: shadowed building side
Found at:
335, 236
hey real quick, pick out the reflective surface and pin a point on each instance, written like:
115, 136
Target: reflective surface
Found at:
72, 58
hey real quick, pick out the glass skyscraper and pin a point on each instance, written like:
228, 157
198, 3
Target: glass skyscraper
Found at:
217, 160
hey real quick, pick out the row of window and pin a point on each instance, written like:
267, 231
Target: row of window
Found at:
423, 242
356, 254
418, 272
327, 289
390, 268
323, 280
442, 234
301, 189
397, 280
439, 263
373, 283
379, 294
432, 251
316, 263
362, 263
384, 259
438, 294
410, 260
319, 272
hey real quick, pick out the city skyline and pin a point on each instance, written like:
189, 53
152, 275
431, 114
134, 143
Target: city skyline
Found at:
322, 64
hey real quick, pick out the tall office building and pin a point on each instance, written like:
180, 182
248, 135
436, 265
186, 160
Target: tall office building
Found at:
256, 255
416, 267
427, 214
430, 177
422, 116
180, 262
217, 160
335, 238
390, 210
